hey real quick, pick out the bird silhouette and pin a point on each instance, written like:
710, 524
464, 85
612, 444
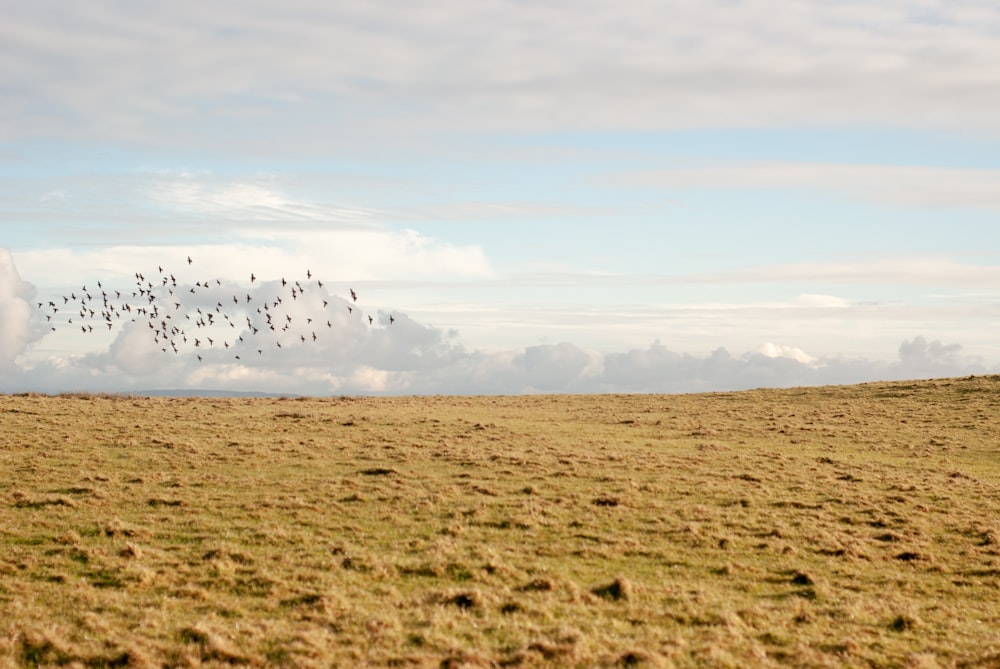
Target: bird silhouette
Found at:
254, 317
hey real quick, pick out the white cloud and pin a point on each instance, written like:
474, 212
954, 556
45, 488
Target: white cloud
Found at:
135, 351
912, 271
341, 255
552, 367
822, 301
340, 351
326, 72
18, 324
772, 350
247, 201
895, 184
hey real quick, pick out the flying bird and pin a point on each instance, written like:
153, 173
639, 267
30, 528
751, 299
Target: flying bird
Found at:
115, 303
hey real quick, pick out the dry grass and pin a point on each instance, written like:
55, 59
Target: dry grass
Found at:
826, 527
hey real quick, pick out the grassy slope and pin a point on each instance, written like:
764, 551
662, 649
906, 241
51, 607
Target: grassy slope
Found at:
837, 526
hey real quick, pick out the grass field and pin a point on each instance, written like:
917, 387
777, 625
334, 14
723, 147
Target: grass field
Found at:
820, 527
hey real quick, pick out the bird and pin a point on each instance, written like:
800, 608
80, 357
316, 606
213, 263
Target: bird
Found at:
166, 325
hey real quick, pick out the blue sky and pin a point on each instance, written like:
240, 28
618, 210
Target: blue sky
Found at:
549, 197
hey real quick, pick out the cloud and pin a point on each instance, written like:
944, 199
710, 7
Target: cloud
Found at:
657, 369
328, 72
822, 301
915, 186
351, 356
248, 201
552, 367
772, 350
922, 358
357, 255
135, 352
18, 324
912, 271
185, 327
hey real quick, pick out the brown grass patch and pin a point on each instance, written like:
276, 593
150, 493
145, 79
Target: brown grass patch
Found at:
841, 526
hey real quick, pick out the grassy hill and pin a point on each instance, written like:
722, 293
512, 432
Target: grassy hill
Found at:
824, 527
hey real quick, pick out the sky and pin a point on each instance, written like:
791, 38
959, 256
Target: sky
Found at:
651, 196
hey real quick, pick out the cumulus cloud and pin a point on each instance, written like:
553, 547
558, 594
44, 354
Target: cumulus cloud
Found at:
772, 350
419, 359
135, 352
920, 358
551, 367
176, 328
18, 325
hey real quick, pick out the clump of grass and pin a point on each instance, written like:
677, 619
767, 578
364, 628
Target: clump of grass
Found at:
904, 623
38, 647
379, 471
212, 646
802, 578
619, 589
467, 599
538, 585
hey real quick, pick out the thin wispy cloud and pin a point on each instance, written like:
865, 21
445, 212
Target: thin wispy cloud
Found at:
912, 186
250, 202
585, 65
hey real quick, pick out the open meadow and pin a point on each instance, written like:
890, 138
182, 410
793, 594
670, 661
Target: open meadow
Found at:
849, 526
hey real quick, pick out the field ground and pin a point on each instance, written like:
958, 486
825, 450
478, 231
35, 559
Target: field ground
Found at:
849, 526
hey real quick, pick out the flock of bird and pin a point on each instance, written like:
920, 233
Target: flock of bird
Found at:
211, 315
